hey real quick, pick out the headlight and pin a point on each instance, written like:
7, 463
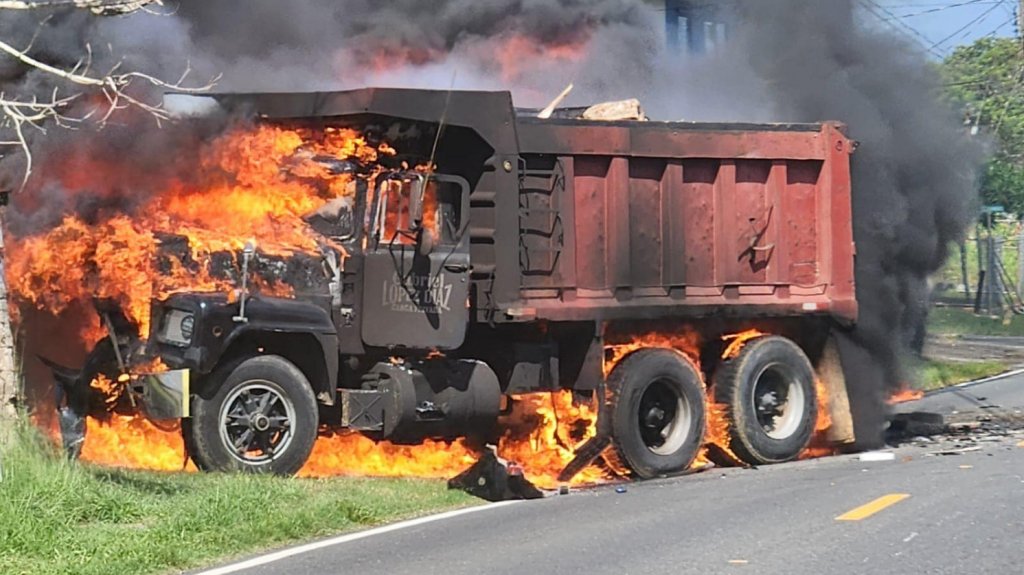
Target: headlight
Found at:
186, 324
179, 325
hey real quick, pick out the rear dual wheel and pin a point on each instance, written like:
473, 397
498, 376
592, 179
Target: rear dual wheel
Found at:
656, 403
769, 391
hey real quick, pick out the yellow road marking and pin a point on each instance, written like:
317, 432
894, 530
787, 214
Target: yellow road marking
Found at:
869, 509
1021, 444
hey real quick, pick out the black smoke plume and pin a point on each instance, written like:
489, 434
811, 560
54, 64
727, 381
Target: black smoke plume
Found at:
914, 173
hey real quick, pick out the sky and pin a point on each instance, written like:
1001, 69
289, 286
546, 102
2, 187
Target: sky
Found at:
941, 25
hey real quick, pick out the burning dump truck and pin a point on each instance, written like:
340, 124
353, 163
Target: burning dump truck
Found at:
682, 278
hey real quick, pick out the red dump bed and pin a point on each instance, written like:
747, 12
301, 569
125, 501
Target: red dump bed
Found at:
650, 219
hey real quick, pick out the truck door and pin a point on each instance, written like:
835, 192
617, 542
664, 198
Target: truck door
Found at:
417, 263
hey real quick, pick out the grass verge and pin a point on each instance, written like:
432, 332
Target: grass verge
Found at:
935, 374
64, 518
958, 321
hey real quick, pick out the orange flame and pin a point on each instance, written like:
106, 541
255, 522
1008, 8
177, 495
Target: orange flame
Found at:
716, 433
541, 435
737, 341
253, 183
820, 445
135, 443
688, 342
904, 395
512, 53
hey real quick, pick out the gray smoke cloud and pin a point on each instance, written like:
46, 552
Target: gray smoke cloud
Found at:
786, 60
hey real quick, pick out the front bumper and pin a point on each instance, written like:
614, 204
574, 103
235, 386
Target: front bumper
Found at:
164, 396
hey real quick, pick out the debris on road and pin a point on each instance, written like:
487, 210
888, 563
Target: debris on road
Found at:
917, 423
725, 458
878, 456
495, 479
965, 426
957, 451
923, 428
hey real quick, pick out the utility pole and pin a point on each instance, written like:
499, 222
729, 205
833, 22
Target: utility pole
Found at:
1020, 22
1020, 262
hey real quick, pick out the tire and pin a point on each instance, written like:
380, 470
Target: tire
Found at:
768, 390
266, 405
656, 403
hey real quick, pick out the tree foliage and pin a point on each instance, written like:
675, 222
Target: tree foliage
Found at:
986, 81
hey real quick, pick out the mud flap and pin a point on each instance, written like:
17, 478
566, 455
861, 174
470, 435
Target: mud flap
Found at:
830, 371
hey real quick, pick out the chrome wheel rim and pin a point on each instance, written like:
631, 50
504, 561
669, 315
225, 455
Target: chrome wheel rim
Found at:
779, 401
256, 422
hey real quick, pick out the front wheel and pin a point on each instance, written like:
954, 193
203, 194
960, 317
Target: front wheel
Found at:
262, 419
657, 410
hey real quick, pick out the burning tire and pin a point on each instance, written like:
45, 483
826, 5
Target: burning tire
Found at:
262, 419
768, 389
657, 412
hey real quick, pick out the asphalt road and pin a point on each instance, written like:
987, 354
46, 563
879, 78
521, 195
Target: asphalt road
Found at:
1001, 397
964, 514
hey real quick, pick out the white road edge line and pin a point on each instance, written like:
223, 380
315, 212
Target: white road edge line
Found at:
988, 379
292, 551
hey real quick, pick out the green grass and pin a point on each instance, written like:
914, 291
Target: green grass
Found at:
934, 374
58, 517
956, 321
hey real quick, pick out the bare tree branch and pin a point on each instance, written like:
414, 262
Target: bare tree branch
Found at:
17, 115
30, 61
98, 7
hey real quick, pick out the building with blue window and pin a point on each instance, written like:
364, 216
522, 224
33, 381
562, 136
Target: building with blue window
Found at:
696, 26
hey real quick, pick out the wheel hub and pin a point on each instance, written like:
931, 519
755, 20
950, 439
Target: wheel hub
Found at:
778, 401
664, 418
261, 423
769, 405
655, 417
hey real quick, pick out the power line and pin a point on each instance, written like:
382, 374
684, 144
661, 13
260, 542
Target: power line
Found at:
942, 7
920, 5
965, 27
874, 8
1011, 21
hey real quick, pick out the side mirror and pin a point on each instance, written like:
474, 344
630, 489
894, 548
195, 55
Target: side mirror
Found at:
418, 189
